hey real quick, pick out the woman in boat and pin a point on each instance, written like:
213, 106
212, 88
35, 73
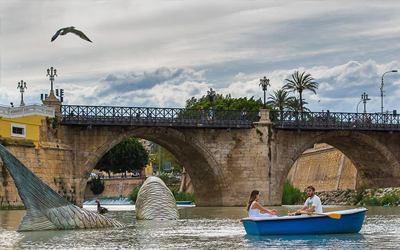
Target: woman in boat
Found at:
255, 209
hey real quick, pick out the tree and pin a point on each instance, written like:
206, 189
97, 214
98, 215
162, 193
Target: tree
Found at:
126, 156
280, 100
294, 105
225, 103
167, 156
299, 83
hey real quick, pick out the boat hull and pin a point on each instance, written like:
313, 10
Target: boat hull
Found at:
183, 202
351, 221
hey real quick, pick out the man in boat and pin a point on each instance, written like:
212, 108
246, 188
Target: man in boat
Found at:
312, 204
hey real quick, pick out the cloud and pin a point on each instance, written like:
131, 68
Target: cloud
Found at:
132, 81
141, 51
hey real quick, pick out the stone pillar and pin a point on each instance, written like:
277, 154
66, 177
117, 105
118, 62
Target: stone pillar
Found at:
52, 101
264, 128
264, 114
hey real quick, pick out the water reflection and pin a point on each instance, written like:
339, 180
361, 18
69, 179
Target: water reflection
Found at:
199, 228
327, 241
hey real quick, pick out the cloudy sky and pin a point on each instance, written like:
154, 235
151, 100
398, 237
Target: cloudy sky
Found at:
160, 53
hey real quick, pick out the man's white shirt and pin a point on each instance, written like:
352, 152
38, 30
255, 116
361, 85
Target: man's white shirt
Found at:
315, 201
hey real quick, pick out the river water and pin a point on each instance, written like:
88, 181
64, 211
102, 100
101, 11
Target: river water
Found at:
200, 228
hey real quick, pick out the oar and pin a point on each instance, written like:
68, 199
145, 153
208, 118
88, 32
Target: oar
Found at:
333, 216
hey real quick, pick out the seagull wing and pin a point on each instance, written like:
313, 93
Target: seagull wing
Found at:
56, 35
80, 34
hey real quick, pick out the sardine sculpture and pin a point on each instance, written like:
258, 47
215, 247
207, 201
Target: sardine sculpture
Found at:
45, 208
155, 201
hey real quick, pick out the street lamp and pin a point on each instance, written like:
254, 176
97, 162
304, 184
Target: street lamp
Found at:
51, 73
211, 95
392, 71
264, 83
21, 87
364, 98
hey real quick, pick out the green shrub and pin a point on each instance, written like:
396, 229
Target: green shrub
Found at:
371, 201
292, 195
373, 191
96, 185
182, 196
358, 196
164, 178
390, 199
133, 196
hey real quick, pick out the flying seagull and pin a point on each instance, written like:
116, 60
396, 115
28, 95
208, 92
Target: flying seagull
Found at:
71, 29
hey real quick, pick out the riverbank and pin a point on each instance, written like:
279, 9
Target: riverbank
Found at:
370, 197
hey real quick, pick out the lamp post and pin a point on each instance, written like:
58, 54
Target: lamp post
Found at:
21, 87
364, 98
392, 71
51, 73
264, 83
211, 95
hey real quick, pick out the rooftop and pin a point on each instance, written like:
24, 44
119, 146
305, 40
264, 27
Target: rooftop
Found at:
28, 110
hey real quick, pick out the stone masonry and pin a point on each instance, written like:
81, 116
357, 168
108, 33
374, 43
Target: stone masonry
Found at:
224, 165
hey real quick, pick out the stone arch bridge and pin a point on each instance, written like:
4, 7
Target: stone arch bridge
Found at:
226, 155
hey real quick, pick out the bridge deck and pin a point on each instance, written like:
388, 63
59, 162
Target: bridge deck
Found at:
335, 121
167, 117
180, 117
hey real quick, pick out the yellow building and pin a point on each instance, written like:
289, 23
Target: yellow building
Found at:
23, 122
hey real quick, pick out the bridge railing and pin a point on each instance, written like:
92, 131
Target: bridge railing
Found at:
333, 120
181, 117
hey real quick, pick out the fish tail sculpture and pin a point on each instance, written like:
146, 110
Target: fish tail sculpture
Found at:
45, 208
155, 201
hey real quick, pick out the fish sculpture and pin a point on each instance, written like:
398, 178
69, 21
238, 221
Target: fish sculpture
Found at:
45, 208
155, 201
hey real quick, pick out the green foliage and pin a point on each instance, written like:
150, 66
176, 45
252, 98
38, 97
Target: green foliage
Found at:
53, 122
96, 185
390, 199
358, 196
164, 178
292, 195
225, 103
371, 201
166, 156
294, 105
133, 196
182, 196
126, 156
299, 83
280, 99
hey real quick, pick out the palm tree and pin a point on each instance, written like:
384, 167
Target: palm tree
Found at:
299, 83
294, 105
280, 100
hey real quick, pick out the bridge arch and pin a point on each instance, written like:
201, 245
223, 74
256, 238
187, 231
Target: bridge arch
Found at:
206, 176
376, 164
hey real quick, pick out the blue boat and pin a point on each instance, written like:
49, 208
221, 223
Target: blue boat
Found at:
351, 221
183, 202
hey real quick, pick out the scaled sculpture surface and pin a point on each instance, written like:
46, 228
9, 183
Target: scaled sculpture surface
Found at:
155, 201
45, 208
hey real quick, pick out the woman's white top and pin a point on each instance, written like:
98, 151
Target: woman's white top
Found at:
257, 212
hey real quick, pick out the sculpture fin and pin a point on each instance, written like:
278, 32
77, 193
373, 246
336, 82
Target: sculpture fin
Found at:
35, 194
46, 209
34, 220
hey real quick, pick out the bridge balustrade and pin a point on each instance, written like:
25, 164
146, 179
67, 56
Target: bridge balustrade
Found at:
333, 120
176, 117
